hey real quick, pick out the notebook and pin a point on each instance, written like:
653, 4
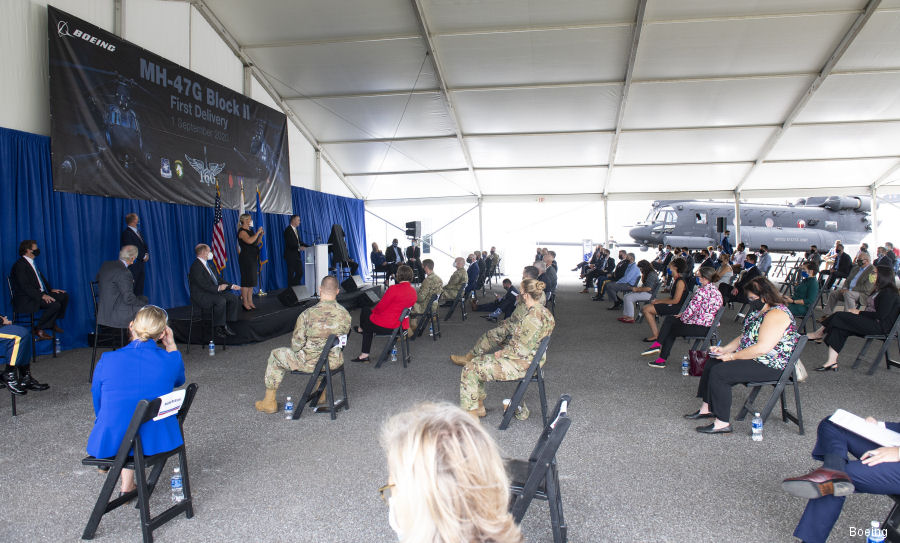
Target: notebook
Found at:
859, 426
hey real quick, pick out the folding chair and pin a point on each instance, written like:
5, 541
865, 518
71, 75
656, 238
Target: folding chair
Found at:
397, 335
705, 341
97, 325
323, 371
788, 374
460, 302
12, 397
144, 412
538, 477
886, 341
639, 304
428, 317
810, 316
29, 319
535, 374
892, 522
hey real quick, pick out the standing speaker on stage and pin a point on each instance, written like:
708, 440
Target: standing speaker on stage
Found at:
132, 236
293, 246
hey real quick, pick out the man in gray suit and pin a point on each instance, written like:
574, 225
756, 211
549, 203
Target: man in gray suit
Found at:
116, 301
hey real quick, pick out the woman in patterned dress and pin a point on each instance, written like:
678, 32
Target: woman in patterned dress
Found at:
760, 353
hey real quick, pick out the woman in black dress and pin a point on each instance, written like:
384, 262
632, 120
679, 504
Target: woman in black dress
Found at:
248, 260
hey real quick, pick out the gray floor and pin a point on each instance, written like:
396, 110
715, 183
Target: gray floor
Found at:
632, 469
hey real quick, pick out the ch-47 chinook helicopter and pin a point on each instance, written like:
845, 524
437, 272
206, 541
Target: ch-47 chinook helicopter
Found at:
816, 221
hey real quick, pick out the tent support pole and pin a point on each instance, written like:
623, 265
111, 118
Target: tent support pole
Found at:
317, 172
876, 241
737, 218
605, 220
480, 222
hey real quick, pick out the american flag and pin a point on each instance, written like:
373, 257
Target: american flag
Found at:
220, 257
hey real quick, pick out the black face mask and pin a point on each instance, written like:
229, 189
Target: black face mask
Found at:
36, 252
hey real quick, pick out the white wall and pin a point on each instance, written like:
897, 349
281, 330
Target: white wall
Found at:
174, 30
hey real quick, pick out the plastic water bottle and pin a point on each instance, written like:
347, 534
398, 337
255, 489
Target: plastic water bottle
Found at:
57, 346
431, 330
684, 366
876, 533
394, 354
757, 427
289, 408
212, 348
177, 486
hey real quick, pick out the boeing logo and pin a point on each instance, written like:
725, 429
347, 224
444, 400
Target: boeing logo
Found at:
62, 30
207, 170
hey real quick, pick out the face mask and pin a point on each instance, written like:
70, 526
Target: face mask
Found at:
748, 265
36, 252
393, 521
251, 224
804, 275
697, 280
209, 257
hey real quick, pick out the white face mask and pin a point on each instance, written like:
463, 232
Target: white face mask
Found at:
392, 521
209, 257
251, 224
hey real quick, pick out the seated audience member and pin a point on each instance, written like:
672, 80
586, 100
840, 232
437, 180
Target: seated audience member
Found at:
695, 320
877, 471
116, 302
706, 259
650, 284
446, 480
500, 306
839, 326
414, 260
841, 263
662, 258
764, 262
511, 360
681, 271
380, 263
887, 256
553, 263
32, 291
385, 316
806, 291
586, 265
735, 293
394, 256
724, 271
482, 268
863, 249
725, 243
550, 275
494, 258
432, 284
472, 274
617, 273
856, 290
597, 272
758, 354
209, 291
737, 258
457, 281
14, 345
628, 281
311, 332
138, 371
814, 257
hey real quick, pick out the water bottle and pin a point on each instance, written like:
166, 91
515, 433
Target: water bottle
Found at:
431, 330
684, 366
57, 346
289, 408
757, 427
876, 533
394, 354
212, 348
177, 486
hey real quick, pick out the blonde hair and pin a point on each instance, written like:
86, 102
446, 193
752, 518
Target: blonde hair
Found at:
450, 485
241, 219
533, 288
149, 323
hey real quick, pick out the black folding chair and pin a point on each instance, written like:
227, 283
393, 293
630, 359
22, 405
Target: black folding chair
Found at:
144, 412
459, 301
323, 371
886, 341
97, 329
705, 341
29, 319
789, 373
639, 304
428, 318
12, 397
810, 316
535, 374
400, 335
892, 522
538, 477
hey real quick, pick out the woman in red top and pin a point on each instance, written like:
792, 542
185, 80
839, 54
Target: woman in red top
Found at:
383, 318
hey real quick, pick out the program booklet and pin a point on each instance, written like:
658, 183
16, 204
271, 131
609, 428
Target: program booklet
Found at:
859, 426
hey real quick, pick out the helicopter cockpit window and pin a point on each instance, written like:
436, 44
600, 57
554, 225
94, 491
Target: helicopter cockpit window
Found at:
700, 218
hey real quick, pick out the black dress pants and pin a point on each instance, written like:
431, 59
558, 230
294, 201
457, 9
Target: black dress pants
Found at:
370, 329
672, 329
718, 378
294, 268
843, 324
52, 311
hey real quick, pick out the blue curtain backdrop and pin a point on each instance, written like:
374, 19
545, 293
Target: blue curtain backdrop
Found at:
76, 233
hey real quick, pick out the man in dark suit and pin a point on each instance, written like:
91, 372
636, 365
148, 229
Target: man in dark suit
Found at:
736, 292
293, 246
32, 291
472, 274
618, 272
414, 260
840, 268
132, 236
393, 256
209, 291
116, 301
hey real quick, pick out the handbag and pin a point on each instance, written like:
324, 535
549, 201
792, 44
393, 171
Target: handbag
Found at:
697, 361
801, 372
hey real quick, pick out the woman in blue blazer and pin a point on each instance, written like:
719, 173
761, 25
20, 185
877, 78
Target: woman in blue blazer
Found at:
138, 371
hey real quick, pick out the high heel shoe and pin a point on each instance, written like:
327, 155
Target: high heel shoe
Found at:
833, 367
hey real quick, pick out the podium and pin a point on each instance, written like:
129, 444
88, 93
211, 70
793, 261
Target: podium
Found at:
315, 267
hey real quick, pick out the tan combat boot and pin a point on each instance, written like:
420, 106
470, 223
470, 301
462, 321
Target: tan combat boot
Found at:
268, 404
462, 360
479, 411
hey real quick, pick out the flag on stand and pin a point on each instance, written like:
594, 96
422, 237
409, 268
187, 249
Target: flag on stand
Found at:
263, 253
220, 257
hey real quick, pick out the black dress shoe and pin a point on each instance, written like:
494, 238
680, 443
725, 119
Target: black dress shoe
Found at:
833, 367
698, 415
31, 383
14, 385
710, 429
358, 359
228, 331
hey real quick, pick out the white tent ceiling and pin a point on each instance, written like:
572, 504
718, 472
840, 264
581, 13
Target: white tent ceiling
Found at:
627, 98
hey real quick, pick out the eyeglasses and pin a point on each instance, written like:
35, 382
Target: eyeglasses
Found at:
385, 492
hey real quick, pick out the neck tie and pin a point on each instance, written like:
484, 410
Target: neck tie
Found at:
40, 281
213, 275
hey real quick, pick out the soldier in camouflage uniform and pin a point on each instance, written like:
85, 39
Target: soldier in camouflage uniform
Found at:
511, 361
430, 286
313, 327
457, 281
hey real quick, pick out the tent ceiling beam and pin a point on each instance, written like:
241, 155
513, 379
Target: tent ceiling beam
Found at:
406, 172
442, 83
226, 36
327, 41
401, 92
885, 177
858, 24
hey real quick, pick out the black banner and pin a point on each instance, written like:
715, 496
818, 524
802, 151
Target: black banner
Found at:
128, 123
